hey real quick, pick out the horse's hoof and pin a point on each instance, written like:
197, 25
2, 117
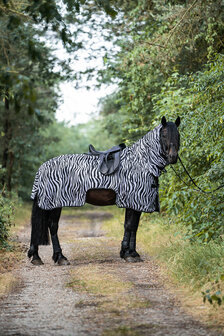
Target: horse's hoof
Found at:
63, 262
133, 259
37, 262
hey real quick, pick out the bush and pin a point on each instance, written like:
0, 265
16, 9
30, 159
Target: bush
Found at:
199, 103
6, 214
6, 219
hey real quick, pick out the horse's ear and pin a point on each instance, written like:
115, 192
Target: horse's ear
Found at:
163, 121
177, 122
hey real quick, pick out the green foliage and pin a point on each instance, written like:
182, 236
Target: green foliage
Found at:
27, 76
6, 217
215, 298
200, 107
156, 39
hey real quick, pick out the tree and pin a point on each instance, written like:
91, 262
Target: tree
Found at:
155, 39
170, 62
25, 82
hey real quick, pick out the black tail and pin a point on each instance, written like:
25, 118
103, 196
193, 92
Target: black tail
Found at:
39, 223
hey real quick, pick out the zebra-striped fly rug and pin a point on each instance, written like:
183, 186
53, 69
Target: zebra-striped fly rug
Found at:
63, 181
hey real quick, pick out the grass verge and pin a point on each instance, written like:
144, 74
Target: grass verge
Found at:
22, 217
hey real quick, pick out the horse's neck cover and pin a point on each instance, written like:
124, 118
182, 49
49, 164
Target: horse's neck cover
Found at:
146, 153
63, 181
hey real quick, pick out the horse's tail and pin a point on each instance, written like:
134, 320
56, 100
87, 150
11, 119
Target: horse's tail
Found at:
39, 225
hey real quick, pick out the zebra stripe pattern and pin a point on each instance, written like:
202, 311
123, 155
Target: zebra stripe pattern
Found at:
63, 181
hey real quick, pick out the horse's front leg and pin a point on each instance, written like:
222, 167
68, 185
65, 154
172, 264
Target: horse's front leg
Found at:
58, 257
128, 245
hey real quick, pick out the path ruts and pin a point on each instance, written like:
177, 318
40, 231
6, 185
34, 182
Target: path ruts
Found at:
43, 304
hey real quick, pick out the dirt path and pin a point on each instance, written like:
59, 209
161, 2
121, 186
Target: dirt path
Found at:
43, 304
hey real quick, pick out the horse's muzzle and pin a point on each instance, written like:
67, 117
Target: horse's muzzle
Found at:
172, 159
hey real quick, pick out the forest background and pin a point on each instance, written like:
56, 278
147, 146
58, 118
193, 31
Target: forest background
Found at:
167, 59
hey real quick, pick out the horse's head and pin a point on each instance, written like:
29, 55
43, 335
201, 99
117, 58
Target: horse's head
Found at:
170, 139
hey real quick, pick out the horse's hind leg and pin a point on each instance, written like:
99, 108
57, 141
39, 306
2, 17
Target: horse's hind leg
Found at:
39, 232
33, 252
58, 257
128, 245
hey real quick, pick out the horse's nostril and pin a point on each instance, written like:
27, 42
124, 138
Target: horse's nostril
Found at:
172, 158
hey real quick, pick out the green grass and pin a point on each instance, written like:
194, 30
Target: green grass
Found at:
22, 216
137, 330
88, 278
121, 331
111, 294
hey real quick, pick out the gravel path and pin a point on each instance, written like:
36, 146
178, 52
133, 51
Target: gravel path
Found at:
43, 305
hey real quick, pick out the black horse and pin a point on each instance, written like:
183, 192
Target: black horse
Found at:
43, 220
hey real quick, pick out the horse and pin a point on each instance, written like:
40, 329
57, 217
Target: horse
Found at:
75, 179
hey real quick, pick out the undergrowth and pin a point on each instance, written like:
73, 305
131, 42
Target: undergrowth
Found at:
12, 252
7, 206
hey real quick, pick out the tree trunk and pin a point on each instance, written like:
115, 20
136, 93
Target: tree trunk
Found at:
7, 158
